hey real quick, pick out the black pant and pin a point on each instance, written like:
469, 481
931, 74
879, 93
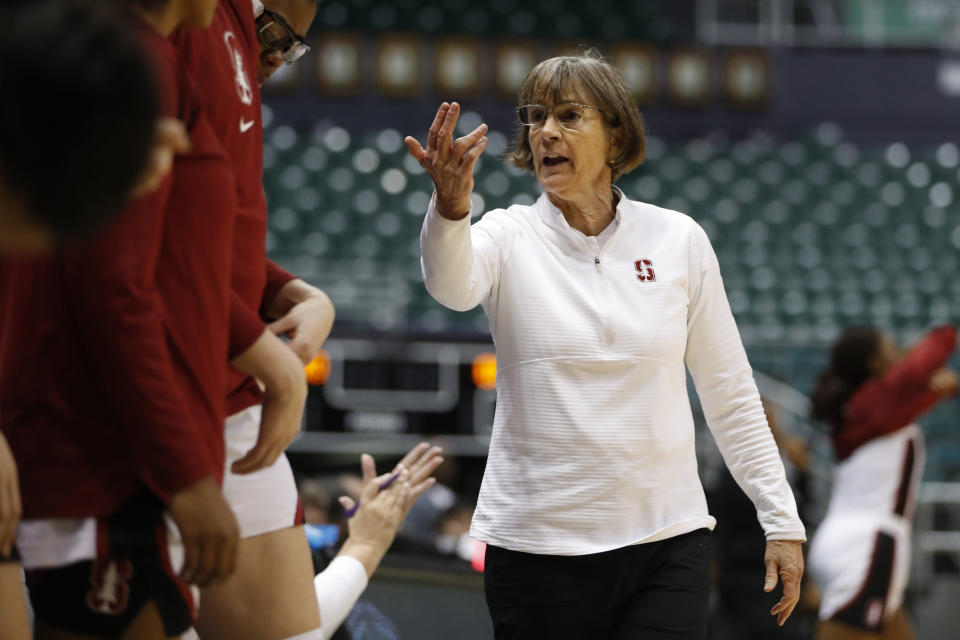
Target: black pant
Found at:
652, 591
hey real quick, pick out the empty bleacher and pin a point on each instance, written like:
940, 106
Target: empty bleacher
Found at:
813, 234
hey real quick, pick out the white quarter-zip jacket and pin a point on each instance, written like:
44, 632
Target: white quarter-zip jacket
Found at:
593, 437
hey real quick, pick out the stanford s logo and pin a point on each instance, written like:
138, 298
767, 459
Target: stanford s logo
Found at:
109, 586
645, 270
236, 59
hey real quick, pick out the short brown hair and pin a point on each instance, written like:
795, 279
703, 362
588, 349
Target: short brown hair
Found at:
549, 83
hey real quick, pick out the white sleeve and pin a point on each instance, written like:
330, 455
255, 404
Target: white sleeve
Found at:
731, 402
460, 262
338, 587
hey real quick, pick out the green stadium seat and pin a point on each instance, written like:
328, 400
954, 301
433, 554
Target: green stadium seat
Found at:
812, 234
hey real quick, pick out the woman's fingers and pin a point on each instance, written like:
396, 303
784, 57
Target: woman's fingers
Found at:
438, 121
471, 156
464, 144
415, 148
440, 143
445, 135
450, 164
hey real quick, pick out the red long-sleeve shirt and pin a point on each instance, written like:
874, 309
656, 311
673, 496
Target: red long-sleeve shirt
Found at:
892, 401
93, 361
194, 277
223, 59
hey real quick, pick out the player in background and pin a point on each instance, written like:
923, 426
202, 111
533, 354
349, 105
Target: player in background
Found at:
273, 594
871, 394
92, 402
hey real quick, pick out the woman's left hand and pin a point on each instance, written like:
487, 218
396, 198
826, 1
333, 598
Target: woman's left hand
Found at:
784, 558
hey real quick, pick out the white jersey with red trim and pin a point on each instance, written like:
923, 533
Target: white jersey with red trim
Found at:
880, 479
874, 491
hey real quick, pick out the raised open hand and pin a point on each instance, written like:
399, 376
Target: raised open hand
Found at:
450, 162
420, 463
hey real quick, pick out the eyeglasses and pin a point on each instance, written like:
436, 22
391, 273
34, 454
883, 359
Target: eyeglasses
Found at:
569, 115
276, 35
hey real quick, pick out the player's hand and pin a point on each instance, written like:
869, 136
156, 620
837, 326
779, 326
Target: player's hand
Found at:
170, 138
307, 326
450, 162
10, 506
209, 532
378, 516
380, 513
420, 463
784, 558
944, 381
285, 392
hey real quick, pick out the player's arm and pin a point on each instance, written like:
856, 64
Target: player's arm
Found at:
257, 352
907, 390
301, 312
280, 372
372, 530
120, 314
915, 370
120, 317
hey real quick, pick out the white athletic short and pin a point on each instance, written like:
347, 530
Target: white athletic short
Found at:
862, 568
263, 501
58, 542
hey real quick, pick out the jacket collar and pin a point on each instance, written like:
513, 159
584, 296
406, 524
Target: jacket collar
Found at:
551, 215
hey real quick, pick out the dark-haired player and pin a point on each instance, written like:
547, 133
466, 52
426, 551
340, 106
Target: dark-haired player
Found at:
95, 157
870, 395
98, 397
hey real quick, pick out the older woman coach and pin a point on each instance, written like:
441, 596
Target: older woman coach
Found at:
591, 506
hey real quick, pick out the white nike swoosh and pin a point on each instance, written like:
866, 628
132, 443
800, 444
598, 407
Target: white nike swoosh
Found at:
245, 125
